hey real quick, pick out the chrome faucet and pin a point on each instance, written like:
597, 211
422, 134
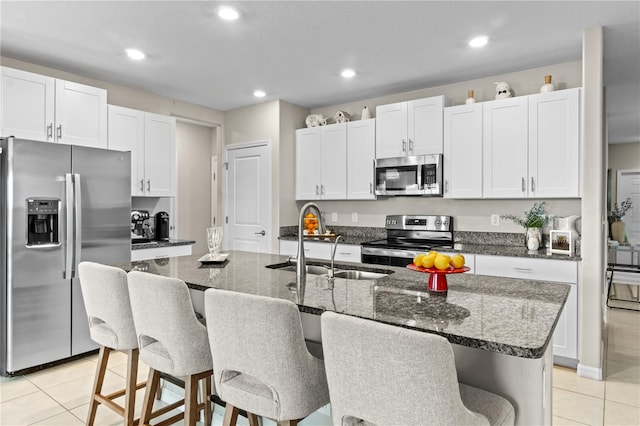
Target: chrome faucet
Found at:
333, 255
301, 269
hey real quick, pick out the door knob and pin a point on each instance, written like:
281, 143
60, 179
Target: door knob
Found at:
263, 233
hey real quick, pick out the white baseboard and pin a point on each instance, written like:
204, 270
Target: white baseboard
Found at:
590, 372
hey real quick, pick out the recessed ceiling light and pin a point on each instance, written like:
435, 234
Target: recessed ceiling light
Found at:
348, 73
479, 41
135, 54
228, 13
259, 93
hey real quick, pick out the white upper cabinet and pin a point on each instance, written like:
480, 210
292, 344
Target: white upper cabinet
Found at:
52, 110
308, 148
321, 163
160, 155
462, 159
81, 114
410, 128
554, 144
151, 140
505, 148
27, 110
361, 153
531, 146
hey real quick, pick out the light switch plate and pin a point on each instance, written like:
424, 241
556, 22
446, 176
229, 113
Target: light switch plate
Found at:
495, 220
334, 217
354, 217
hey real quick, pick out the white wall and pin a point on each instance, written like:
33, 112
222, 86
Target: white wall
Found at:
195, 146
622, 156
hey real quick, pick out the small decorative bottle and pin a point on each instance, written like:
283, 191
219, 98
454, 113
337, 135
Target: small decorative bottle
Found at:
548, 86
365, 113
470, 98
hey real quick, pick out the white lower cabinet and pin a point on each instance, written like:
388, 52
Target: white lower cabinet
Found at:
565, 337
318, 250
160, 252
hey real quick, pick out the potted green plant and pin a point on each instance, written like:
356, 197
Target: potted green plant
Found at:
534, 220
615, 220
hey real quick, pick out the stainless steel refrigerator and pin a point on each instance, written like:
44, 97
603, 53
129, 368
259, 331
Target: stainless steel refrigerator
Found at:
60, 205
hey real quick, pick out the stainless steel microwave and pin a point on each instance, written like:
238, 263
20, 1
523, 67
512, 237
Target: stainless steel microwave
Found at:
416, 175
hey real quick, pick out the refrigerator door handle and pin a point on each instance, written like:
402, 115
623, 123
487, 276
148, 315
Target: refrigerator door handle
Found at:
77, 255
68, 260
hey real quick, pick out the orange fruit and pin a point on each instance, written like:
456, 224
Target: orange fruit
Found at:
457, 261
309, 215
418, 259
429, 260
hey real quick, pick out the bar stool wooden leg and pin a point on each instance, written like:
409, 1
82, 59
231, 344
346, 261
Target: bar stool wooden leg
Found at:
101, 369
253, 419
191, 400
288, 422
147, 406
208, 409
230, 415
131, 386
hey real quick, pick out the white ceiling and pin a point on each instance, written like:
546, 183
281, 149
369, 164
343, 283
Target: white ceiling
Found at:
295, 50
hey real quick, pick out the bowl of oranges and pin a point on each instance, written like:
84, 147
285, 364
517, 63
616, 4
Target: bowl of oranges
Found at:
438, 265
310, 224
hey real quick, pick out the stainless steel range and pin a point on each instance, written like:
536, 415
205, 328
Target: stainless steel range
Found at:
408, 236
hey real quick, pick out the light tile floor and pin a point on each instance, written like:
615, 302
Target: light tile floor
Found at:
58, 396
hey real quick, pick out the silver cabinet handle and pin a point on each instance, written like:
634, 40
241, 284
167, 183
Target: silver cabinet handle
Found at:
446, 186
523, 269
533, 186
321, 189
263, 233
404, 146
524, 183
148, 184
411, 146
370, 187
317, 190
50, 131
59, 132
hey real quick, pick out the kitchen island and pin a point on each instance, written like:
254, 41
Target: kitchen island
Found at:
500, 328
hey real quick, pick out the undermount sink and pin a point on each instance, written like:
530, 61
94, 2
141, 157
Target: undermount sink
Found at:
348, 274
359, 275
311, 269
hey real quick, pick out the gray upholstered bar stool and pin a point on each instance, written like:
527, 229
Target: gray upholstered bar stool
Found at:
383, 374
262, 364
106, 300
171, 341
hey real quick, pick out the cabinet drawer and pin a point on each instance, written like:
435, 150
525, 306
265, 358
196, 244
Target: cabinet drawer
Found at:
530, 269
160, 252
347, 253
311, 249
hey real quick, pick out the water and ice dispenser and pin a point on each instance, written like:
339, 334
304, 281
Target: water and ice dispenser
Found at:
43, 216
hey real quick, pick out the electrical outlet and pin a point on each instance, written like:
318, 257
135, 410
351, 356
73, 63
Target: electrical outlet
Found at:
495, 220
334, 217
354, 217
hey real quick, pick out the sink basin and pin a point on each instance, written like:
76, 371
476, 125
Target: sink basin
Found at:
311, 269
359, 275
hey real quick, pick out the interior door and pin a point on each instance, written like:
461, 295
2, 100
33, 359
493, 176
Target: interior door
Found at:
248, 198
629, 187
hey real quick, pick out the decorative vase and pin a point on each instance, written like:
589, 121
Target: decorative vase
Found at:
617, 231
470, 98
548, 86
532, 238
365, 113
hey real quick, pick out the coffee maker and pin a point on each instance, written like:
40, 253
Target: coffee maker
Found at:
140, 231
162, 226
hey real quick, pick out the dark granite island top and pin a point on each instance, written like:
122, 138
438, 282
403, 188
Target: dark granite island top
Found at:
502, 315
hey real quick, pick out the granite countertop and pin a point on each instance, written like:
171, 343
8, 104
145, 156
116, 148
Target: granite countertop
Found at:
156, 244
503, 315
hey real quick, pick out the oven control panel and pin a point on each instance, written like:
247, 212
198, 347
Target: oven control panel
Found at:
420, 223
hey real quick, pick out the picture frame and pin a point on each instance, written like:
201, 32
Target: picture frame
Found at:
561, 242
